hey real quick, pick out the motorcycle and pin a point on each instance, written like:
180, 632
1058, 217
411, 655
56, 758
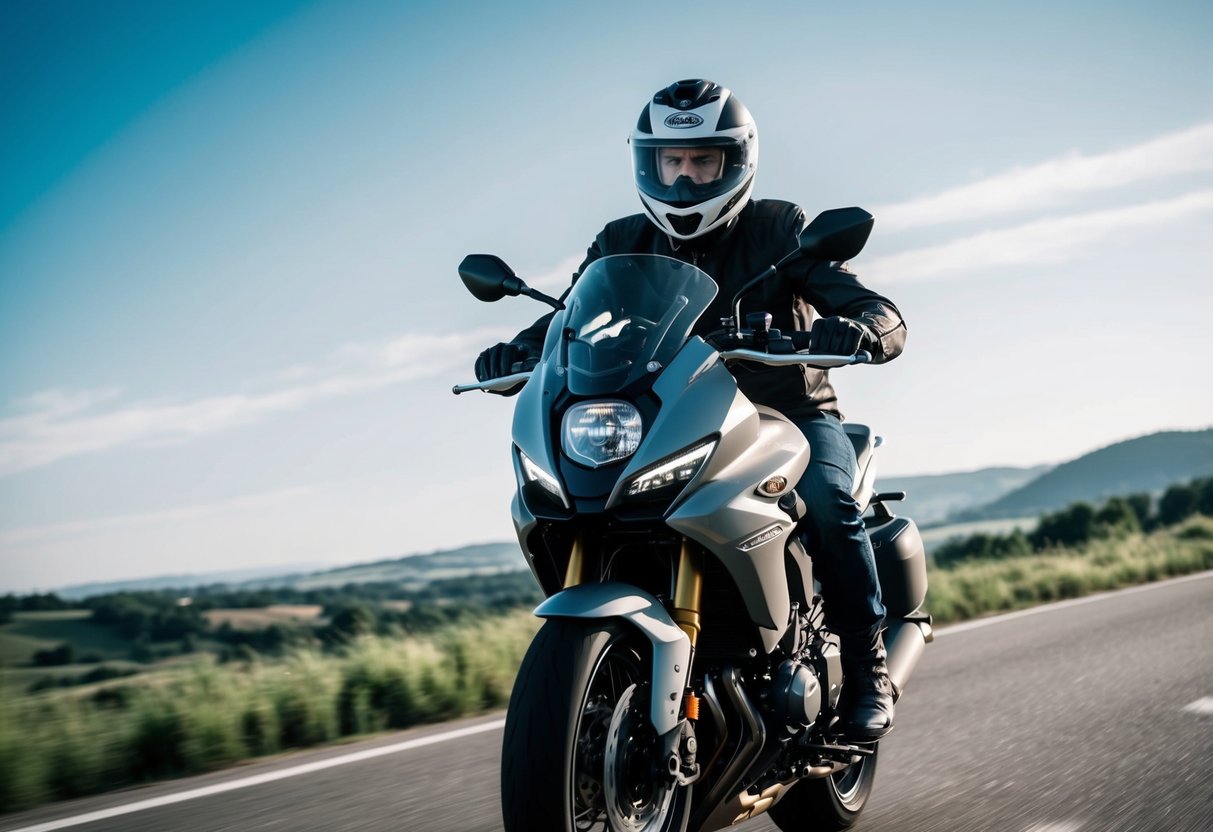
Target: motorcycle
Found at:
684, 678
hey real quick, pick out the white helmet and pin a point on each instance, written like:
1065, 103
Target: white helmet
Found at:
688, 193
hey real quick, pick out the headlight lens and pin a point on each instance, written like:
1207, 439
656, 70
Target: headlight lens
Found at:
598, 433
672, 473
533, 473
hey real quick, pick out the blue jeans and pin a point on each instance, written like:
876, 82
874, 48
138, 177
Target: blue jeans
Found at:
834, 533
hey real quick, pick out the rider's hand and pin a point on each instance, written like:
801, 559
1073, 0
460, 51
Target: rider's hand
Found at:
838, 336
499, 360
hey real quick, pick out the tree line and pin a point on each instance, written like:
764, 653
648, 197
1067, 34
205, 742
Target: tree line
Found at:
159, 623
1082, 522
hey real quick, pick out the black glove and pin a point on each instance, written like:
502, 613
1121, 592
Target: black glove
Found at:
838, 336
499, 361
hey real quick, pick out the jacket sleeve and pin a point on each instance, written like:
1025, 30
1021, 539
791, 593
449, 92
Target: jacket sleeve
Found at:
533, 336
833, 289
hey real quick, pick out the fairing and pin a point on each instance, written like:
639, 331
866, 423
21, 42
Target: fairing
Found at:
616, 341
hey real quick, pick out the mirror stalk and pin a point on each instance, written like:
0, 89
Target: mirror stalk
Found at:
749, 287
535, 294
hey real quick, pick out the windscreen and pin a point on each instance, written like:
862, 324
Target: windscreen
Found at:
624, 312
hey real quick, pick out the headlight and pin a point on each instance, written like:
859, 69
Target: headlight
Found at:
597, 433
533, 473
669, 475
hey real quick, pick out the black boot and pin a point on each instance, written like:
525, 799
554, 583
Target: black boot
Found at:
866, 703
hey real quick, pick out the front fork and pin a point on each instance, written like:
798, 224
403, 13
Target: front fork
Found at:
688, 584
679, 744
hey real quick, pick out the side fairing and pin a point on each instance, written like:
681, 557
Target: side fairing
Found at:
533, 415
746, 530
531, 429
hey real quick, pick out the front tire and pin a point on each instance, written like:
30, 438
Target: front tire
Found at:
828, 804
579, 704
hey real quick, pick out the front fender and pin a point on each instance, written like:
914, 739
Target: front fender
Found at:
671, 647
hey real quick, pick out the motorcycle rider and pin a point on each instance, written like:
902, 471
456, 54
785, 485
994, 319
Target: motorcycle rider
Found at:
695, 154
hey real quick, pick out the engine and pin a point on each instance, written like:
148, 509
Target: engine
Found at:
796, 695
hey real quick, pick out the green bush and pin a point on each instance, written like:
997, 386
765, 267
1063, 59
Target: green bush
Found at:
23, 762
259, 727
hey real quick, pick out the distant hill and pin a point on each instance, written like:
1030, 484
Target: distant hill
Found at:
1145, 464
412, 570
270, 574
933, 498
480, 559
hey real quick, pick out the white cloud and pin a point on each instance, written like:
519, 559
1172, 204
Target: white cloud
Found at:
1053, 182
558, 278
57, 424
1040, 242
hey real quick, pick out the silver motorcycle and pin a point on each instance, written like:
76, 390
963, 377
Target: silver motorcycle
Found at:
684, 678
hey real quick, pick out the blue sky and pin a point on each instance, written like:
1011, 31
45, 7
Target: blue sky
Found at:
229, 313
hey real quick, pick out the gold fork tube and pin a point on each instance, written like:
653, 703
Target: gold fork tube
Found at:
572, 575
688, 590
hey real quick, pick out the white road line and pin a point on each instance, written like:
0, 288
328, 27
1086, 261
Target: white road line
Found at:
1064, 826
433, 739
978, 623
1203, 705
258, 779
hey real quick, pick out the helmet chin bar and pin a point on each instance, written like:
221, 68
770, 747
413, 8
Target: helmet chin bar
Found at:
713, 214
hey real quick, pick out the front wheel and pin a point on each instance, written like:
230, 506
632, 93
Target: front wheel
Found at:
580, 753
828, 804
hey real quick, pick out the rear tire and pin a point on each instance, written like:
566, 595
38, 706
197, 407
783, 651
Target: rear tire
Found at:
827, 804
579, 677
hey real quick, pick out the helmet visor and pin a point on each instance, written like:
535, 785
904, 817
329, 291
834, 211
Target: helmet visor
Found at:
687, 173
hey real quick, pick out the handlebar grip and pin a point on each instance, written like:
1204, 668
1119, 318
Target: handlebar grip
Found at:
800, 340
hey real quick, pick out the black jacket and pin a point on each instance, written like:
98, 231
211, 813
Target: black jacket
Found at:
763, 233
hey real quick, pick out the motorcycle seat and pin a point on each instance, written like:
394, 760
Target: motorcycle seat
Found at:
861, 438
865, 445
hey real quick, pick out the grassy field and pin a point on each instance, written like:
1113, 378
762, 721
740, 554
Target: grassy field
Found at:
30, 632
261, 617
200, 716
972, 589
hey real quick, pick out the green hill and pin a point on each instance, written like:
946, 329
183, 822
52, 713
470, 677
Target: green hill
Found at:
480, 559
1146, 464
933, 498
412, 570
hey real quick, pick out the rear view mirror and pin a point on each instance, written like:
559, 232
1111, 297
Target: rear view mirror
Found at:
838, 234
488, 278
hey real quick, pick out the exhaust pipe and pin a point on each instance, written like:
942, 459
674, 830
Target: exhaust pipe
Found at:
905, 639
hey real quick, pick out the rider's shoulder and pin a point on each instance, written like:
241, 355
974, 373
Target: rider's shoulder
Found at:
773, 207
633, 222
625, 233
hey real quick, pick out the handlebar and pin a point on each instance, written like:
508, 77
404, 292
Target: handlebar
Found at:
797, 359
820, 362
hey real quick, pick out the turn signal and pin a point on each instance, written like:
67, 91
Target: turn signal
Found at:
774, 486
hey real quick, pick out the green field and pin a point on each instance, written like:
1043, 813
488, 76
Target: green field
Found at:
30, 632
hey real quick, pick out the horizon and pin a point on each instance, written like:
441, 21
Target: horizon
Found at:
229, 310
321, 567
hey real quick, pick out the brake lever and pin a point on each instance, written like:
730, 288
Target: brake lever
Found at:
501, 384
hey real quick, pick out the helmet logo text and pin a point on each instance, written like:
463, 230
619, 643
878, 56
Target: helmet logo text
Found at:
683, 120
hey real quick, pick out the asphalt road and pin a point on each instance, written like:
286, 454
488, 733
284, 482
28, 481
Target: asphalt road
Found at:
1089, 716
